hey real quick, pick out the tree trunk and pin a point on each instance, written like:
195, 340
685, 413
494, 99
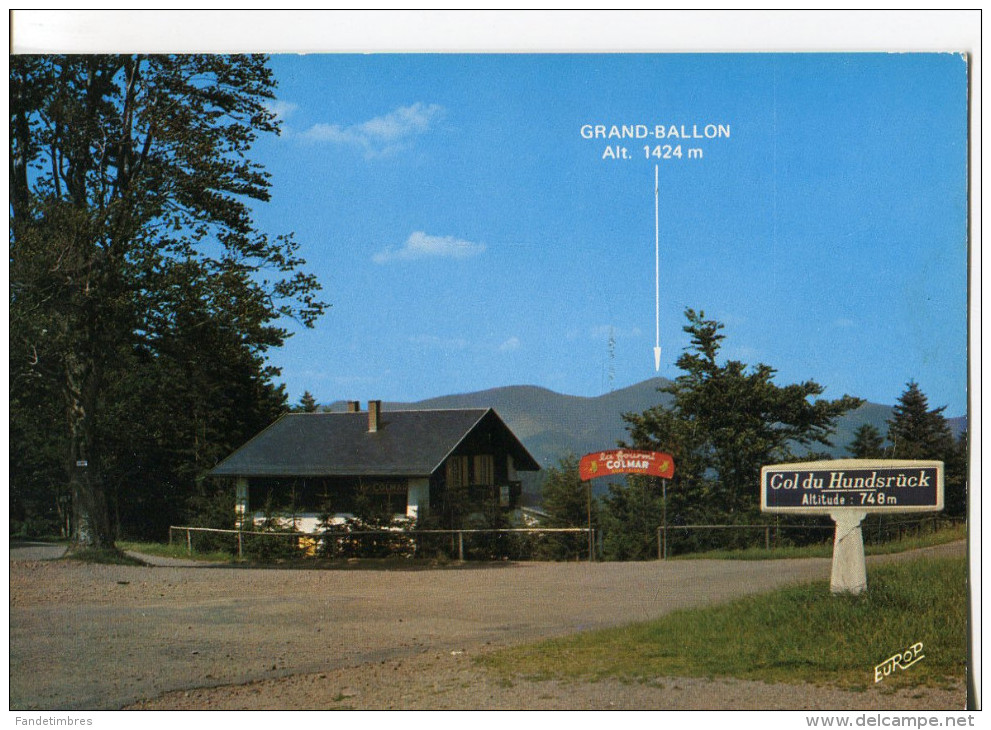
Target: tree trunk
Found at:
92, 527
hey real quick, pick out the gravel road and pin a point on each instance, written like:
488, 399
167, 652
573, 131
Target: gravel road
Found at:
95, 637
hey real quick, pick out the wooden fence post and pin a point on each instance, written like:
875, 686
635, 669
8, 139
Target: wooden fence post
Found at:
189, 542
461, 546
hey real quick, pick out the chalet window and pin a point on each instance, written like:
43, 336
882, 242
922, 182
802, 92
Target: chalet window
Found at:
484, 472
457, 471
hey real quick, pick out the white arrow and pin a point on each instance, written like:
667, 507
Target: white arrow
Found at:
657, 280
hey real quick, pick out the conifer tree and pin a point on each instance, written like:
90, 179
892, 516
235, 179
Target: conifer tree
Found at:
632, 512
307, 403
915, 431
727, 420
568, 503
918, 432
868, 443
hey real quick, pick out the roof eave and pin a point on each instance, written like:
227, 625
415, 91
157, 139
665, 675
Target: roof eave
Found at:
508, 430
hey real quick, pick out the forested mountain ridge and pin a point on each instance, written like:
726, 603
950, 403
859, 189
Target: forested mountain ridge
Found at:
552, 425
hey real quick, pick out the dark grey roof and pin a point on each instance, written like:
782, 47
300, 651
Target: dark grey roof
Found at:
408, 443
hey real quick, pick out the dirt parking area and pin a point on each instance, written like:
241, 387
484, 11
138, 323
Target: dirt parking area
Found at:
90, 637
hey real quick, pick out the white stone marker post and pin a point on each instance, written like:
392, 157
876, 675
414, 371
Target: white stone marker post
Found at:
849, 573
847, 490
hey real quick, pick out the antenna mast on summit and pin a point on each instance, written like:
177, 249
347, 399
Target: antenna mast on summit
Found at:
657, 278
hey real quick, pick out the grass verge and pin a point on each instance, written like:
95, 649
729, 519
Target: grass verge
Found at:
799, 634
164, 550
825, 550
104, 556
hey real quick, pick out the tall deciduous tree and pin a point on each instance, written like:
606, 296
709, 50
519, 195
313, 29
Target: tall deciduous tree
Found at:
131, 226
726, 421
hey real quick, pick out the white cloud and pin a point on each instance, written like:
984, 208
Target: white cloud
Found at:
281, 109
381, 135
420, 246
513, 343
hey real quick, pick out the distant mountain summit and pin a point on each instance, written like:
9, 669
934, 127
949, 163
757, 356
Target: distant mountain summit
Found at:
552, 425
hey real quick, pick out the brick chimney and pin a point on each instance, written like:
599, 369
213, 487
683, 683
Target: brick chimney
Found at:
374, 411
354, 406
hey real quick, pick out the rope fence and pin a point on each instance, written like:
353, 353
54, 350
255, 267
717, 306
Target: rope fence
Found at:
516, 543
891, 529
408, 542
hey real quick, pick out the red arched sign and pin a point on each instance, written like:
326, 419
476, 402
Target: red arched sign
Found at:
625, 461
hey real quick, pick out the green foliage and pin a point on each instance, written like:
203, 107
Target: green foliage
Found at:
916, 432
372, 530
307, 403
895, 538
373, 515
631, 515
867, 443
212, 505
177, 550
567, 503
142, 297
725, 422
280, 543
39, 498
103, 556
491, 545
800, 634
957, 463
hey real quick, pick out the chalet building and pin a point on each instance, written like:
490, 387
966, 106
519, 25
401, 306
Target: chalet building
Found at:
442, 464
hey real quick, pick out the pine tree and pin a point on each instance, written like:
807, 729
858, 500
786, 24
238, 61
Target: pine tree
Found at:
915, 431
727, 420
568, 503
918, 432
632, 512
868, 443
307, 403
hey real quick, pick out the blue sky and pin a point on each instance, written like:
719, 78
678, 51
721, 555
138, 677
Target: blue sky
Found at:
467, 236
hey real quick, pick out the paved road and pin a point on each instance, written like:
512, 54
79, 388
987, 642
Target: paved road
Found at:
99, 637
27, 550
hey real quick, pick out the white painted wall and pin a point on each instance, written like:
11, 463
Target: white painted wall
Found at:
301, 522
